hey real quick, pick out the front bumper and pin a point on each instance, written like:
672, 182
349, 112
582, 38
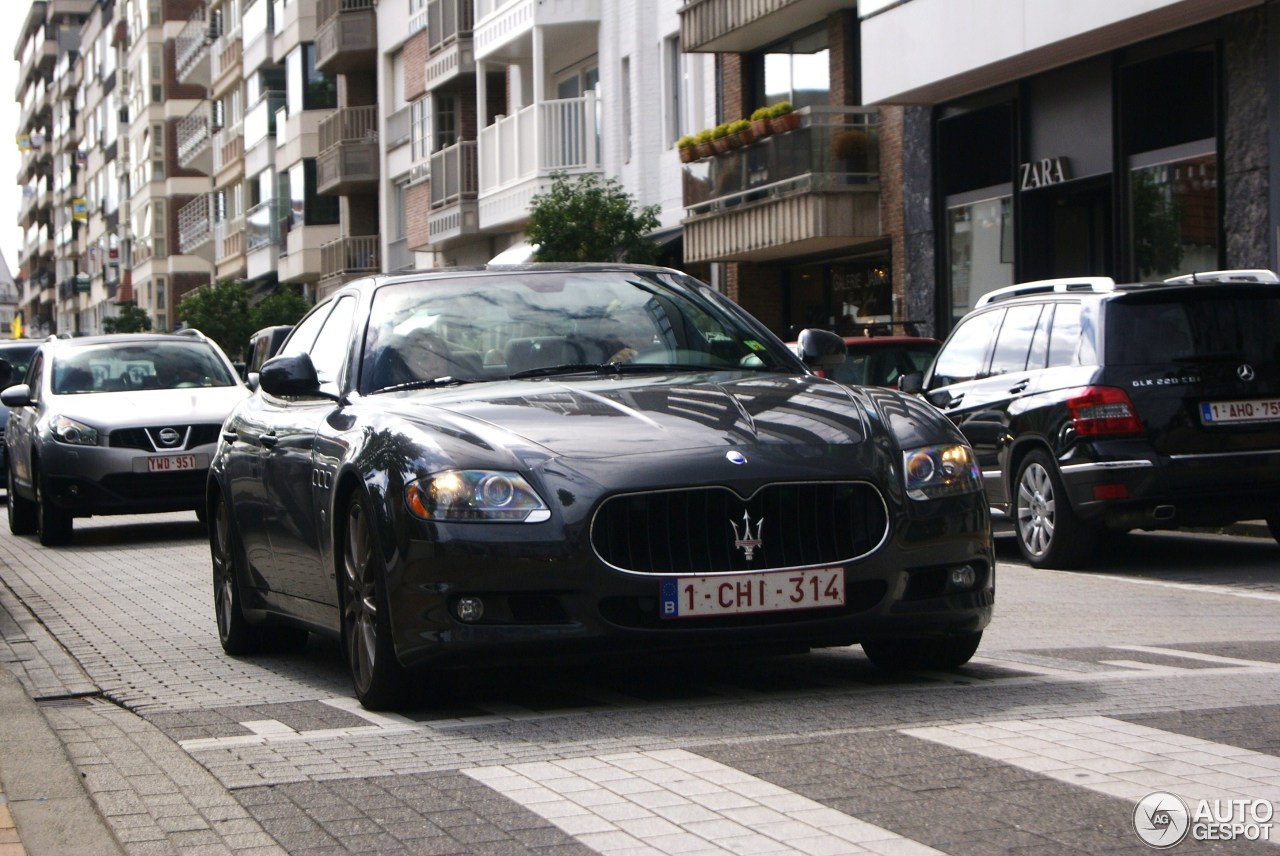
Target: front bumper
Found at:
547, 596
105, 480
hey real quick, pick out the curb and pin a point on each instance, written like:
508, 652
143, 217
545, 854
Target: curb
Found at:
40, 787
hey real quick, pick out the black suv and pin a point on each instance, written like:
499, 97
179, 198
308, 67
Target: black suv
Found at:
1096, 407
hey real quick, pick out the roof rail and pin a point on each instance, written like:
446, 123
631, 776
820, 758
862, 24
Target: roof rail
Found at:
1093, 284
1259, 275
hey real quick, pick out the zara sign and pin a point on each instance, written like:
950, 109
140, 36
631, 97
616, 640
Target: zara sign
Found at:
1043, 173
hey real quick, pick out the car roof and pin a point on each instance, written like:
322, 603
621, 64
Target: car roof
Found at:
121, 339
1103, 286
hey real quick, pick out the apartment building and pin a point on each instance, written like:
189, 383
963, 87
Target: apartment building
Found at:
291, 141
808, 221
1132, 139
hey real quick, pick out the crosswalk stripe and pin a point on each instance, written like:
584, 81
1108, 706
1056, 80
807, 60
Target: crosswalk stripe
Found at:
677, 802
1118, 758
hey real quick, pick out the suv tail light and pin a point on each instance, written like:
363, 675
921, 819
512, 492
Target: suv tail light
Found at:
1099, 410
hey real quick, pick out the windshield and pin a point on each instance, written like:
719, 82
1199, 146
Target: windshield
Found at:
118, 367
539, 323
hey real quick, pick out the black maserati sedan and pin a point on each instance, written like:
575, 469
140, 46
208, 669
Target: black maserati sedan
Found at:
463, 467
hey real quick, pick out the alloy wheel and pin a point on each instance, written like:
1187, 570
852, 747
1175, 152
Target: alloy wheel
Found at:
1036, 510
360, 602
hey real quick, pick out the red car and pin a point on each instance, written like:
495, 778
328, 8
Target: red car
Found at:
881, 360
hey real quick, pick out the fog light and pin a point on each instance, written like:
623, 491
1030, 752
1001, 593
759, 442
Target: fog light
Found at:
1110, 491
470, 609
962, 578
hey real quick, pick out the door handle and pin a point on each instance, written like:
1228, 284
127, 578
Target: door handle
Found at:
1020, 386
230, 436
269, 440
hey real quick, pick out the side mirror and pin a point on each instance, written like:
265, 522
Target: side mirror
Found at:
289, 376
16, 396
820, 349
912, 382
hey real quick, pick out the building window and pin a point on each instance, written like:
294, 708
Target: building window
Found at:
625, 98
980, 247
674, 61
445, 120
1175, 214
420, 128
306, 88
797, 69
306, 207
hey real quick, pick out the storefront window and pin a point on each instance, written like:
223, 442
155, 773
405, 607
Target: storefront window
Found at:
1175, 216
980, 243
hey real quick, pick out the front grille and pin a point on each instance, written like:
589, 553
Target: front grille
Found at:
693, 531
146, 439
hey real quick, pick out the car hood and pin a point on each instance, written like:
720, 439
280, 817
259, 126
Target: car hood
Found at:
653, 415
140, 408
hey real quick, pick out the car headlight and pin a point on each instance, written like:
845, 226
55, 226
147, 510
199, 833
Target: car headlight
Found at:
70, 431
932, 472
475, 495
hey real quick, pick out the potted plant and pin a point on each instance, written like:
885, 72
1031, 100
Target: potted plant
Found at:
702, 143
760, 122
720, 138
687, 147
850, 145
740, 133
783, 118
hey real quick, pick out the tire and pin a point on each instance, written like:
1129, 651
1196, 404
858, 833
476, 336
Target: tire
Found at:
53, 524
1049, 533
377, 677
932, 654
22, 511
237, 635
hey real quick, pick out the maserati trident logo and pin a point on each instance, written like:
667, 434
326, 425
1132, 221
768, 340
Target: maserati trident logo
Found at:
1245, 372
746, 540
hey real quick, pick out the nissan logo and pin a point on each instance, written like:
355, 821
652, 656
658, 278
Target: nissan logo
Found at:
1245, 372
169, 436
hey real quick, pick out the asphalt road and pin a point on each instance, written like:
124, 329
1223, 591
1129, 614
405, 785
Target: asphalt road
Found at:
1159, 670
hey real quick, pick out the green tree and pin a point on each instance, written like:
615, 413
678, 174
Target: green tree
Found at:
130, 320
221, 312
590, 219
282, 306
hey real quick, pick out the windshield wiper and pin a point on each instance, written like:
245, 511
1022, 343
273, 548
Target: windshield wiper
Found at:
432, 383
564, 368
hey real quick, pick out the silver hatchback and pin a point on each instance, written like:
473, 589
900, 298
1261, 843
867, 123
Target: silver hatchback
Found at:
122, 424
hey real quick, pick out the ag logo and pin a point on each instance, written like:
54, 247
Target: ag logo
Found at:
1161, 820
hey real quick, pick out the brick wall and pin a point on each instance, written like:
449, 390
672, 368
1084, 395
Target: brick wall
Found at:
417, 205
844, 61
172, 168
415, 67
172, 89
733, 82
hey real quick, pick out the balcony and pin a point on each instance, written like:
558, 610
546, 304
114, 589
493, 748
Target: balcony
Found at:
814, 189
228, 241
454, 186
193, 138
348, 161
518, 154
191, 49
450, 49
504, 28
39, 59
195, 227
224, 58
264, 225
741, 26
348, 258
347, 36
228, 151
260, 119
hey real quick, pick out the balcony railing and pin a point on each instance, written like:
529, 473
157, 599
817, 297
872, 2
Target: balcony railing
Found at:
193, 139
191, 48
228, 146
453, 174
347, 36
349, 257
226, 52
260, 119
348, 160
815, 188
502, 22
399, 128
557, 135
195, 223
228, 238
833, 147
448, 21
